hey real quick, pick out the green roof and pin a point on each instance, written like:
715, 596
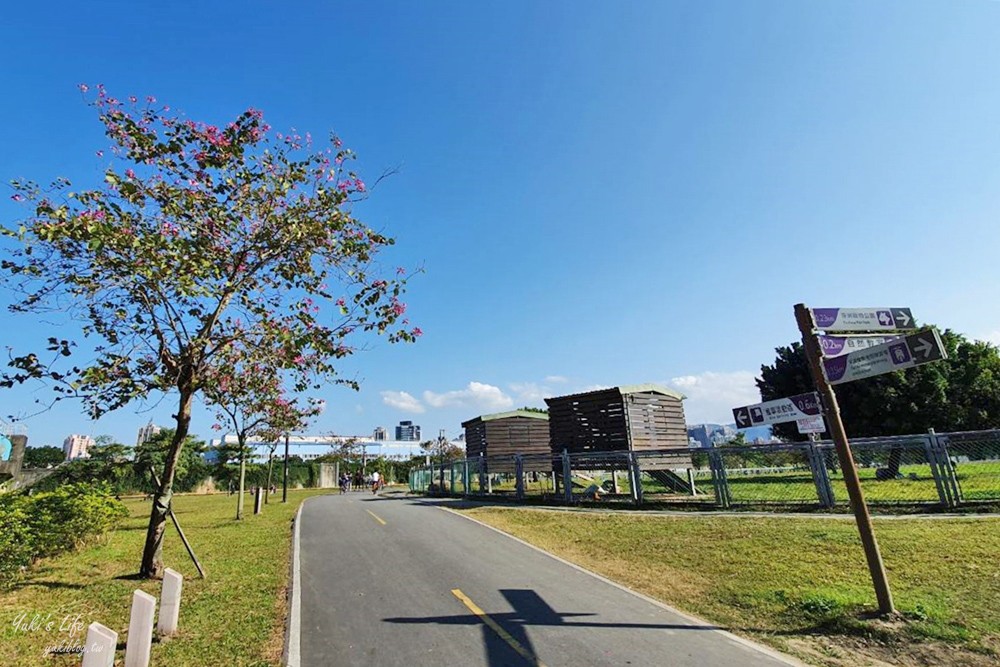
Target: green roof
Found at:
650, 388
626, 389
512, 413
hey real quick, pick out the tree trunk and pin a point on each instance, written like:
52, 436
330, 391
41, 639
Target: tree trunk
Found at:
243, 477
152, 553
270, 467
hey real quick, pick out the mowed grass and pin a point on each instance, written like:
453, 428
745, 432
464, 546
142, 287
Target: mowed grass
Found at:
800, 585
234, 617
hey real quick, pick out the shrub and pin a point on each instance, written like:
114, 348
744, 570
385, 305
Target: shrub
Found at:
51, 522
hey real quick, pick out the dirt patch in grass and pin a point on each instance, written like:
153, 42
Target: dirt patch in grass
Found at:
800, 586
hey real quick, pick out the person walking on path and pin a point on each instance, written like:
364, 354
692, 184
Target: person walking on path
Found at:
376, 482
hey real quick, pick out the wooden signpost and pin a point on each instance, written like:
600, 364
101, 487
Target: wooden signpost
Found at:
883, 357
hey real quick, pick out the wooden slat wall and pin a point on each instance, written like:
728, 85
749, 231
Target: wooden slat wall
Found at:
656, 421
606, 420
588, 422
506, 437
475, 438
518, 435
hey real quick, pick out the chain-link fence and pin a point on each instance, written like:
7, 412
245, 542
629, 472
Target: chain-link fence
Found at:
949, 469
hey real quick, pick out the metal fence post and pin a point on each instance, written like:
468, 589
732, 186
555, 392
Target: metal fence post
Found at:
935, 463
482, 473
567, 475
465, 478
451, 479
822, 481
719, 482
938, 446
519, 473
635, 477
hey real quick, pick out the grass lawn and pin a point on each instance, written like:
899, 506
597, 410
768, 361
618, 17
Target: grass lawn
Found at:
800, 585
235, 617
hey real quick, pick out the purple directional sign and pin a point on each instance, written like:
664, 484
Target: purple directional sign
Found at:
863, 319
913, 350
775, 412
834, 346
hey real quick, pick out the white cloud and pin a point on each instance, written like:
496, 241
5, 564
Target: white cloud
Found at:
476, 394
556, 379
402, 401
530, 392
711, 396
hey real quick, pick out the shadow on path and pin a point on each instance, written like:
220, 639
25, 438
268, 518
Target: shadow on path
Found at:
529, 609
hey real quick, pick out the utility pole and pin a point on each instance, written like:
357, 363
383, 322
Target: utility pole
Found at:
814, 355
284, 480
442, 440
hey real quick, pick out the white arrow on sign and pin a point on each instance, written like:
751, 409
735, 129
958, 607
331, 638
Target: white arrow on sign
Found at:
778, 411
904, 317
924, 347
896, 355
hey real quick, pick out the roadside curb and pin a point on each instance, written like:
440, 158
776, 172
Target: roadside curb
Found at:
760, 648
291, 655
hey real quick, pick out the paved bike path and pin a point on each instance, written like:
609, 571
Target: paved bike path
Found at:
393, 581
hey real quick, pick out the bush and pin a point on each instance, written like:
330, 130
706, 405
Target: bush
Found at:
16, 544
48, 523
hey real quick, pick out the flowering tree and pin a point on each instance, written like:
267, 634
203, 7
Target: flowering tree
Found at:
201, 237
245, 386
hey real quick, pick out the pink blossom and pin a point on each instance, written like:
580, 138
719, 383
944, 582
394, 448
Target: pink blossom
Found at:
150, 99
17, 198
130, 173
359, 185
417, 332
100, 153
132, 99
83, 87
400, 271
216, 427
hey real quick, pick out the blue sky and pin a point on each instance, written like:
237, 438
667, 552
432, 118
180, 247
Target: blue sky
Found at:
600, 193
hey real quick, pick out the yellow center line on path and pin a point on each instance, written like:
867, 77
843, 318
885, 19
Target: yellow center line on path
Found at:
377, 517
495, 627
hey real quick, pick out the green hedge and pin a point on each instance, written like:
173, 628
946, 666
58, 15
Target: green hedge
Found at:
48, 523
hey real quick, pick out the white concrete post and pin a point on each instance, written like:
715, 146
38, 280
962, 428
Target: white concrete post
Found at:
140, 630
99, 651
170, 602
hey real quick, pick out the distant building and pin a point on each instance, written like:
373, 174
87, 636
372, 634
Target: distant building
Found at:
723, 435
77, 447
380, 434
146, 433
407, 431
710, 435
701, 434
